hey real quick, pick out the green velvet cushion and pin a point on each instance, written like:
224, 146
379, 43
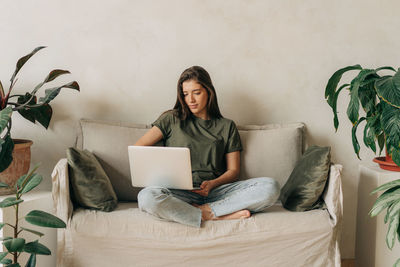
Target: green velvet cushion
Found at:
306, 183
90, 185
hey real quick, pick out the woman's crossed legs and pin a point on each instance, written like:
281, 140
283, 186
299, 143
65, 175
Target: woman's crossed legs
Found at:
230, 201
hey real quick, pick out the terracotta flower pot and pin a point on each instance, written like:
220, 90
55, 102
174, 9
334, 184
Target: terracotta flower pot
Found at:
19, 166
387, 163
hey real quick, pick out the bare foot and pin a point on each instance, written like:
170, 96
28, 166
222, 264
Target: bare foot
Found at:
241, 214
207, 214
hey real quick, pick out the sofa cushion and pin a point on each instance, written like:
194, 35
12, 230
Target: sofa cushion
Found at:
269, 150
306, 183
90, 185
128, 231
109, 141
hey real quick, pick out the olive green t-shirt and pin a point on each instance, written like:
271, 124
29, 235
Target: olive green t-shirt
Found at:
208, 141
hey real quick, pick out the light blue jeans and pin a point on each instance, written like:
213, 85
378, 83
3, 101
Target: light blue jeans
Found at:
175, 205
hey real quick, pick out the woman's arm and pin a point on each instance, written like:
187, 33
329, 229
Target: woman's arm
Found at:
231, 174
232, 170
150, 138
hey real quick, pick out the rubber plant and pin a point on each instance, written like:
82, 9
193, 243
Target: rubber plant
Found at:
16, 245
379, 96
27, 105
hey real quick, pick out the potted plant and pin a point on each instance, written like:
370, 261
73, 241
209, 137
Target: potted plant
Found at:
16, 245
389, 200
31, 109
379, 97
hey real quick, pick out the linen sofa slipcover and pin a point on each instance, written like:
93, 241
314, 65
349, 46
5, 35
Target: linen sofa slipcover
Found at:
129, 237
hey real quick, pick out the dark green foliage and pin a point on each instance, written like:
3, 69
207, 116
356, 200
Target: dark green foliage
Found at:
389, 200
44, 219
379, 98
26, 105
16, 245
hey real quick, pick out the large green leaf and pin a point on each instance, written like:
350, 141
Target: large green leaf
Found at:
44, 219
32, 183
370, 132
21, 62
367, 96
385, 68
54, 74
50, 77
20, 181
24, 59
384, 200
392, 231
354, 104
397, 263
396, 155
26, 112
394, 208
356, 145
24, 179
385, 220
388, 88
391, 125
32, 231
2, 255
334, 81
6, 150
15, 244
381, 142
334, 105
53, 92
6, 261
5, 116
37, 248
387, 187
398, 234
10, 201
42, 113
32, 261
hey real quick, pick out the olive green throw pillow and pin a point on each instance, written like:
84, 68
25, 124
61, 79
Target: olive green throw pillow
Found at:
306, 183
89, 184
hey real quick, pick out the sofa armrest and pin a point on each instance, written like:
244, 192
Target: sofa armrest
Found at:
333, 198
60, 191
333, 195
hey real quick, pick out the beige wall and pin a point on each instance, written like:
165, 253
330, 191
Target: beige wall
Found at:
269, 60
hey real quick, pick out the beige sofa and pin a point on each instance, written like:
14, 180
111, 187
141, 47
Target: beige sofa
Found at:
129, 237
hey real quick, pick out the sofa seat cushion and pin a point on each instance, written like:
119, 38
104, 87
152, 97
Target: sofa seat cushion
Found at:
127, 221
282, 237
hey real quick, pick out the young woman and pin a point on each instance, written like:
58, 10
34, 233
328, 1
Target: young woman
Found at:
214, 142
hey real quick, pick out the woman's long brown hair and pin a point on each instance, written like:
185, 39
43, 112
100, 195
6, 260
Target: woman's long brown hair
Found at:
201, 76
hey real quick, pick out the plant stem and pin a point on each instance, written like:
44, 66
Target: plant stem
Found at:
10, 225
16, 226
16, 232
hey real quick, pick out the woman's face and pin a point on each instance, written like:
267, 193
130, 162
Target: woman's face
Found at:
196, 97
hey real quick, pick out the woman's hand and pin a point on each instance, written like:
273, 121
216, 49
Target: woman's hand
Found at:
205, 188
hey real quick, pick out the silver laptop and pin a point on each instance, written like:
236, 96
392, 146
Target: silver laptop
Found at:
160, 166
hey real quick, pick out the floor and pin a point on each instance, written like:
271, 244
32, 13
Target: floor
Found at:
348, 263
